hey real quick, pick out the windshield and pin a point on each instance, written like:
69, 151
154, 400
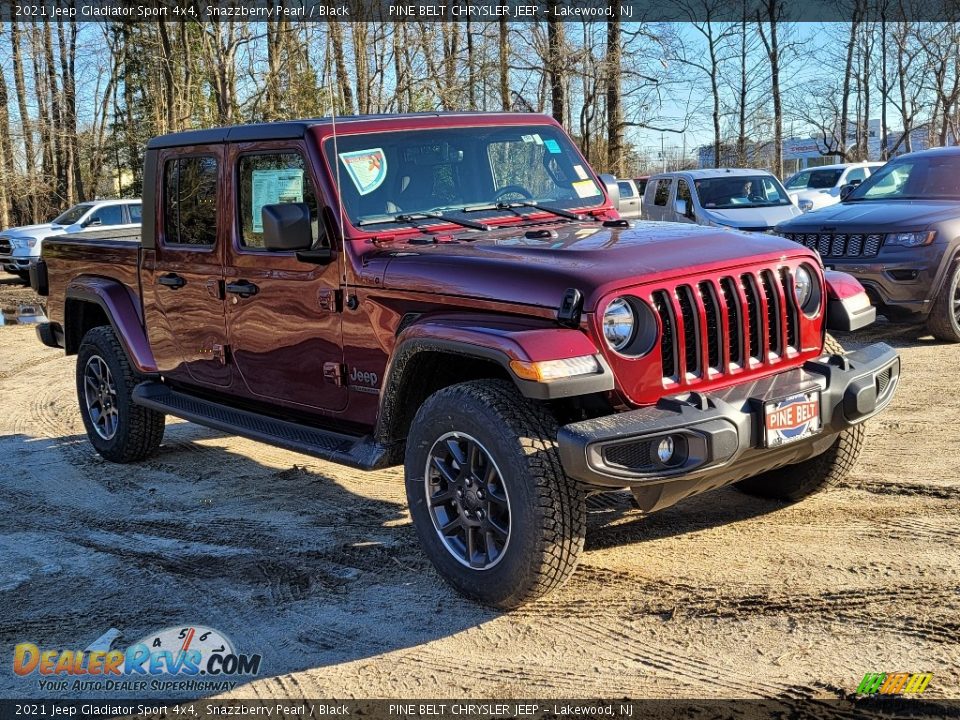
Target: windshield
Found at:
390, 177
814, 179
920, 178
740, 191
72, 215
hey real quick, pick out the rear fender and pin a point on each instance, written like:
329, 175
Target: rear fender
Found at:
120, 307
848, 306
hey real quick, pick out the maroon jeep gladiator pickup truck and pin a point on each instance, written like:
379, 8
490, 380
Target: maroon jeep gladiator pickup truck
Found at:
455, 292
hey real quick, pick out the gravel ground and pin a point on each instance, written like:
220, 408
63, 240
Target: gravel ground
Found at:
316, 566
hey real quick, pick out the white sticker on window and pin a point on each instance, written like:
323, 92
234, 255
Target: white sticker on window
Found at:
586, 188
537, 139
274, 186
581, 173
366, 168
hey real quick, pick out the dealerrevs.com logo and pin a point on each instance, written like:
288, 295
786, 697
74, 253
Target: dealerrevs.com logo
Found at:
175, 658
902, 683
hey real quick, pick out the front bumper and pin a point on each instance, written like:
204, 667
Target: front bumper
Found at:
901, 281
723, 431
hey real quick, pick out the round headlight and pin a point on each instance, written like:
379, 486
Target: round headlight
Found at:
803, 286
619, 321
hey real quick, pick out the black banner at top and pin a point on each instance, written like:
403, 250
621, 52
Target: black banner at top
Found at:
579, 11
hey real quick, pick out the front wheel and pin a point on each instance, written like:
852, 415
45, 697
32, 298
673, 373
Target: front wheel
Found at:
493, 509
119, 430
944, 320
795, 482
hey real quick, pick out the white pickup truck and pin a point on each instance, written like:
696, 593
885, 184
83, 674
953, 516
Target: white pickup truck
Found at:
20, 246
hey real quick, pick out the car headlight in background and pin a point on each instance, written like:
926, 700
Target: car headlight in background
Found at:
23, 242
806, 290
911, 239
619, 321
805, 205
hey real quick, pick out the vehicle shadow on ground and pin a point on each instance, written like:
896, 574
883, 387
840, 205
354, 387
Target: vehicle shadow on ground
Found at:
284, 560
613, 521
898, 335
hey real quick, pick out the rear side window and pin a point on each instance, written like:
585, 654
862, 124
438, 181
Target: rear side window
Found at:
135, 212
857, 174
626, 189
107, 215
267, 180
663, 192
683, 191
190, 205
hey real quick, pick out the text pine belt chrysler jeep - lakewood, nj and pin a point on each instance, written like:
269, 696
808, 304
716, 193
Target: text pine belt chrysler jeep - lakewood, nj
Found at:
455, 292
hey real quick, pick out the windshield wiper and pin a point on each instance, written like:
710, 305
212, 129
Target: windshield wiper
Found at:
414, 216
559, 212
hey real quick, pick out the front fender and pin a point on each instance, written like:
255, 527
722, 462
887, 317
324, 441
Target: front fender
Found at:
120, 307
502, 341
848, 306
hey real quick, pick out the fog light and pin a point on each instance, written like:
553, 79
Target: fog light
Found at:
665, 450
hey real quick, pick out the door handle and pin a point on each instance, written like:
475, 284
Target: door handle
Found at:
243, 288
172, 280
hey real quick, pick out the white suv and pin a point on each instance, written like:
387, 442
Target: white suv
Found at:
818, 187
20, 246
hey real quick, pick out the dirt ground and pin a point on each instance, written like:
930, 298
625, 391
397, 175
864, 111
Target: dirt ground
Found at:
317, 568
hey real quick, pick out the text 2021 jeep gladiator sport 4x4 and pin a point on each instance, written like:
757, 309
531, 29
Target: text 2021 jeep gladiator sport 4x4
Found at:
455, 292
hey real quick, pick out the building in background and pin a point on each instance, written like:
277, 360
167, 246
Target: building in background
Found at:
800, 153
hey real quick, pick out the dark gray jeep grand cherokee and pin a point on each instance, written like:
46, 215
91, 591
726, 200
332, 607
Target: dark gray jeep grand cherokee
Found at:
899, 234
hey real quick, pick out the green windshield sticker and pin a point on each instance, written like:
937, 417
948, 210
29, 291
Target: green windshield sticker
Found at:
274, 186
366, 168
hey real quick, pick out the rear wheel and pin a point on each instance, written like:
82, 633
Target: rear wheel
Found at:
795, 482
944, 320
119, 430
492, 507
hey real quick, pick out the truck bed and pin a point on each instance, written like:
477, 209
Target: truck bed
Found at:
113, 254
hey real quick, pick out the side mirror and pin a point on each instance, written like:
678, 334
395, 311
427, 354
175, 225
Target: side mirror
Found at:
286, 226
93, 222
846, 190
856, 182
613, 190
683, 207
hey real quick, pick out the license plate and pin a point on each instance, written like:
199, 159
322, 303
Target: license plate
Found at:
791, 419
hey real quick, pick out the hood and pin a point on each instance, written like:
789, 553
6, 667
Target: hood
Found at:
507, 265
880, 215
34, 231
754, 217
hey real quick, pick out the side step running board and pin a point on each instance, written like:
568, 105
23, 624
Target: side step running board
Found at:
358, 452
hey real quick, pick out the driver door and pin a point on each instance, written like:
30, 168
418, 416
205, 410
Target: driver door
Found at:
283, 315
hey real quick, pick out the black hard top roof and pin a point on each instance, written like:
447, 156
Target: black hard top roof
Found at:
285, 129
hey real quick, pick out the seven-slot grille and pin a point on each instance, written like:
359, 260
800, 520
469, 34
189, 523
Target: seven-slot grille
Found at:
839, 244
5, 246
737, 321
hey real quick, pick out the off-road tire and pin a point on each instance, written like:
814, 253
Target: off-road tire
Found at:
139, 430
795, 482
943, 322
547, 509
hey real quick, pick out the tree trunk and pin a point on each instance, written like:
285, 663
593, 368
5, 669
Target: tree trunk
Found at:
25, 122
503, 47
555, 62
615, 150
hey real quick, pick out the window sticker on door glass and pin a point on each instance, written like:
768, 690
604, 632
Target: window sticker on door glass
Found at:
274, 186
537, 139
586, 188
552, 146
527, 138
366, 168
581, 173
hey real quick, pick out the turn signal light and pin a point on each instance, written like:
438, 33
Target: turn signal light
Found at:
547, 370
